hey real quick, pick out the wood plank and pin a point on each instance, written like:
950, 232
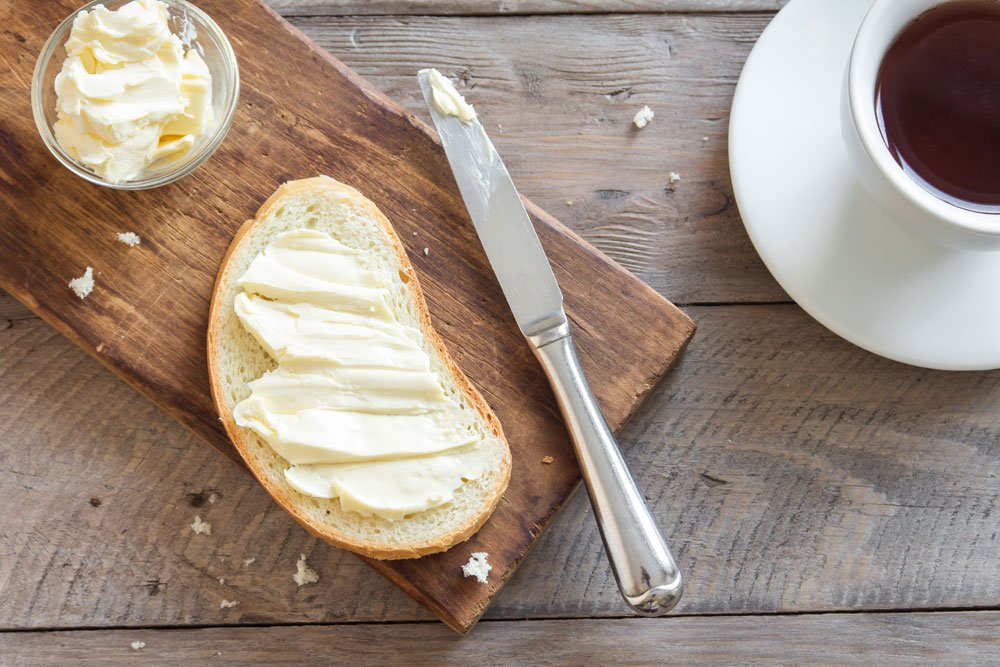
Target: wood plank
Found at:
105, 488
792, 472
296, 8
146, 319
565, 106
12, 309
957, 638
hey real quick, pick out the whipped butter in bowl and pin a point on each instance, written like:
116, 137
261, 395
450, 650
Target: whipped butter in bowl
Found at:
135, 94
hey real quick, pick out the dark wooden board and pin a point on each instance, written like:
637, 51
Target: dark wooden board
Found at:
302, 112
955, 638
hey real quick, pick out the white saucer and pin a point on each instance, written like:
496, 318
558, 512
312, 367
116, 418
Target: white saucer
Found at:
829, 245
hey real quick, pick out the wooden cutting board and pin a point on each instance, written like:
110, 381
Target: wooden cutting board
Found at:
303, 113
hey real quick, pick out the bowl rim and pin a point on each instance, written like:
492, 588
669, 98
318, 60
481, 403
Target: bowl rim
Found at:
184, 168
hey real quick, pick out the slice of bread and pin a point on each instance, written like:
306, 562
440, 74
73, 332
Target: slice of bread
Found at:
235, 359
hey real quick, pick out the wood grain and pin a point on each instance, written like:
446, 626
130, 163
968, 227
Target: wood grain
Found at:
792, 471
297, 8
11, 309
146, 319
829, 639
560, 111
803, 487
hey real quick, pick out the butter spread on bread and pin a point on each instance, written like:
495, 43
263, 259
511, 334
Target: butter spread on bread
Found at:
351, 374
353, 404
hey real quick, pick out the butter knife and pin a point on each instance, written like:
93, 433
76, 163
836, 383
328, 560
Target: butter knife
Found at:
643, 566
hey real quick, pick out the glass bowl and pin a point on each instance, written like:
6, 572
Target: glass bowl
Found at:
196, 30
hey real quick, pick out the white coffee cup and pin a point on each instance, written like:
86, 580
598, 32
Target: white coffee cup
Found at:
903, 198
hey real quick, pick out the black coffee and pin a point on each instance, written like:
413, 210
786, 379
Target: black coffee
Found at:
938, 102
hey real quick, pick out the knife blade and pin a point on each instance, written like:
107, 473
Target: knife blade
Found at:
643, 566
501, 221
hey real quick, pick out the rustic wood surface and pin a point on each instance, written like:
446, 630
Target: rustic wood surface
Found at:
146, 319
829, 639
562, 119
297, 8
794, 472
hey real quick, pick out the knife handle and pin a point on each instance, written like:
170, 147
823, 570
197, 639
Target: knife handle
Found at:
643, 566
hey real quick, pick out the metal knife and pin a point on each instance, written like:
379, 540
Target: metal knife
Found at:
643, 566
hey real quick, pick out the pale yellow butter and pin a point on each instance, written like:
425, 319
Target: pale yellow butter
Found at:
448, 100
128, 94
353, 405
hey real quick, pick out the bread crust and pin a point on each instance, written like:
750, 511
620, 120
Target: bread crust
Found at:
240, 437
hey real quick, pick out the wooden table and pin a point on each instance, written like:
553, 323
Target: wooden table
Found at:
826, 505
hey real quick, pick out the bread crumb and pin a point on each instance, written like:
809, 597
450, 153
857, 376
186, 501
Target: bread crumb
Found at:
248, 561
228, 604
213, 498
642, 117
674, 177
131, 239
201, 527
427, 251
222, 580
137, 645
303, 573
704, 138
478, 566
547, 460
569, 202
83, 285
